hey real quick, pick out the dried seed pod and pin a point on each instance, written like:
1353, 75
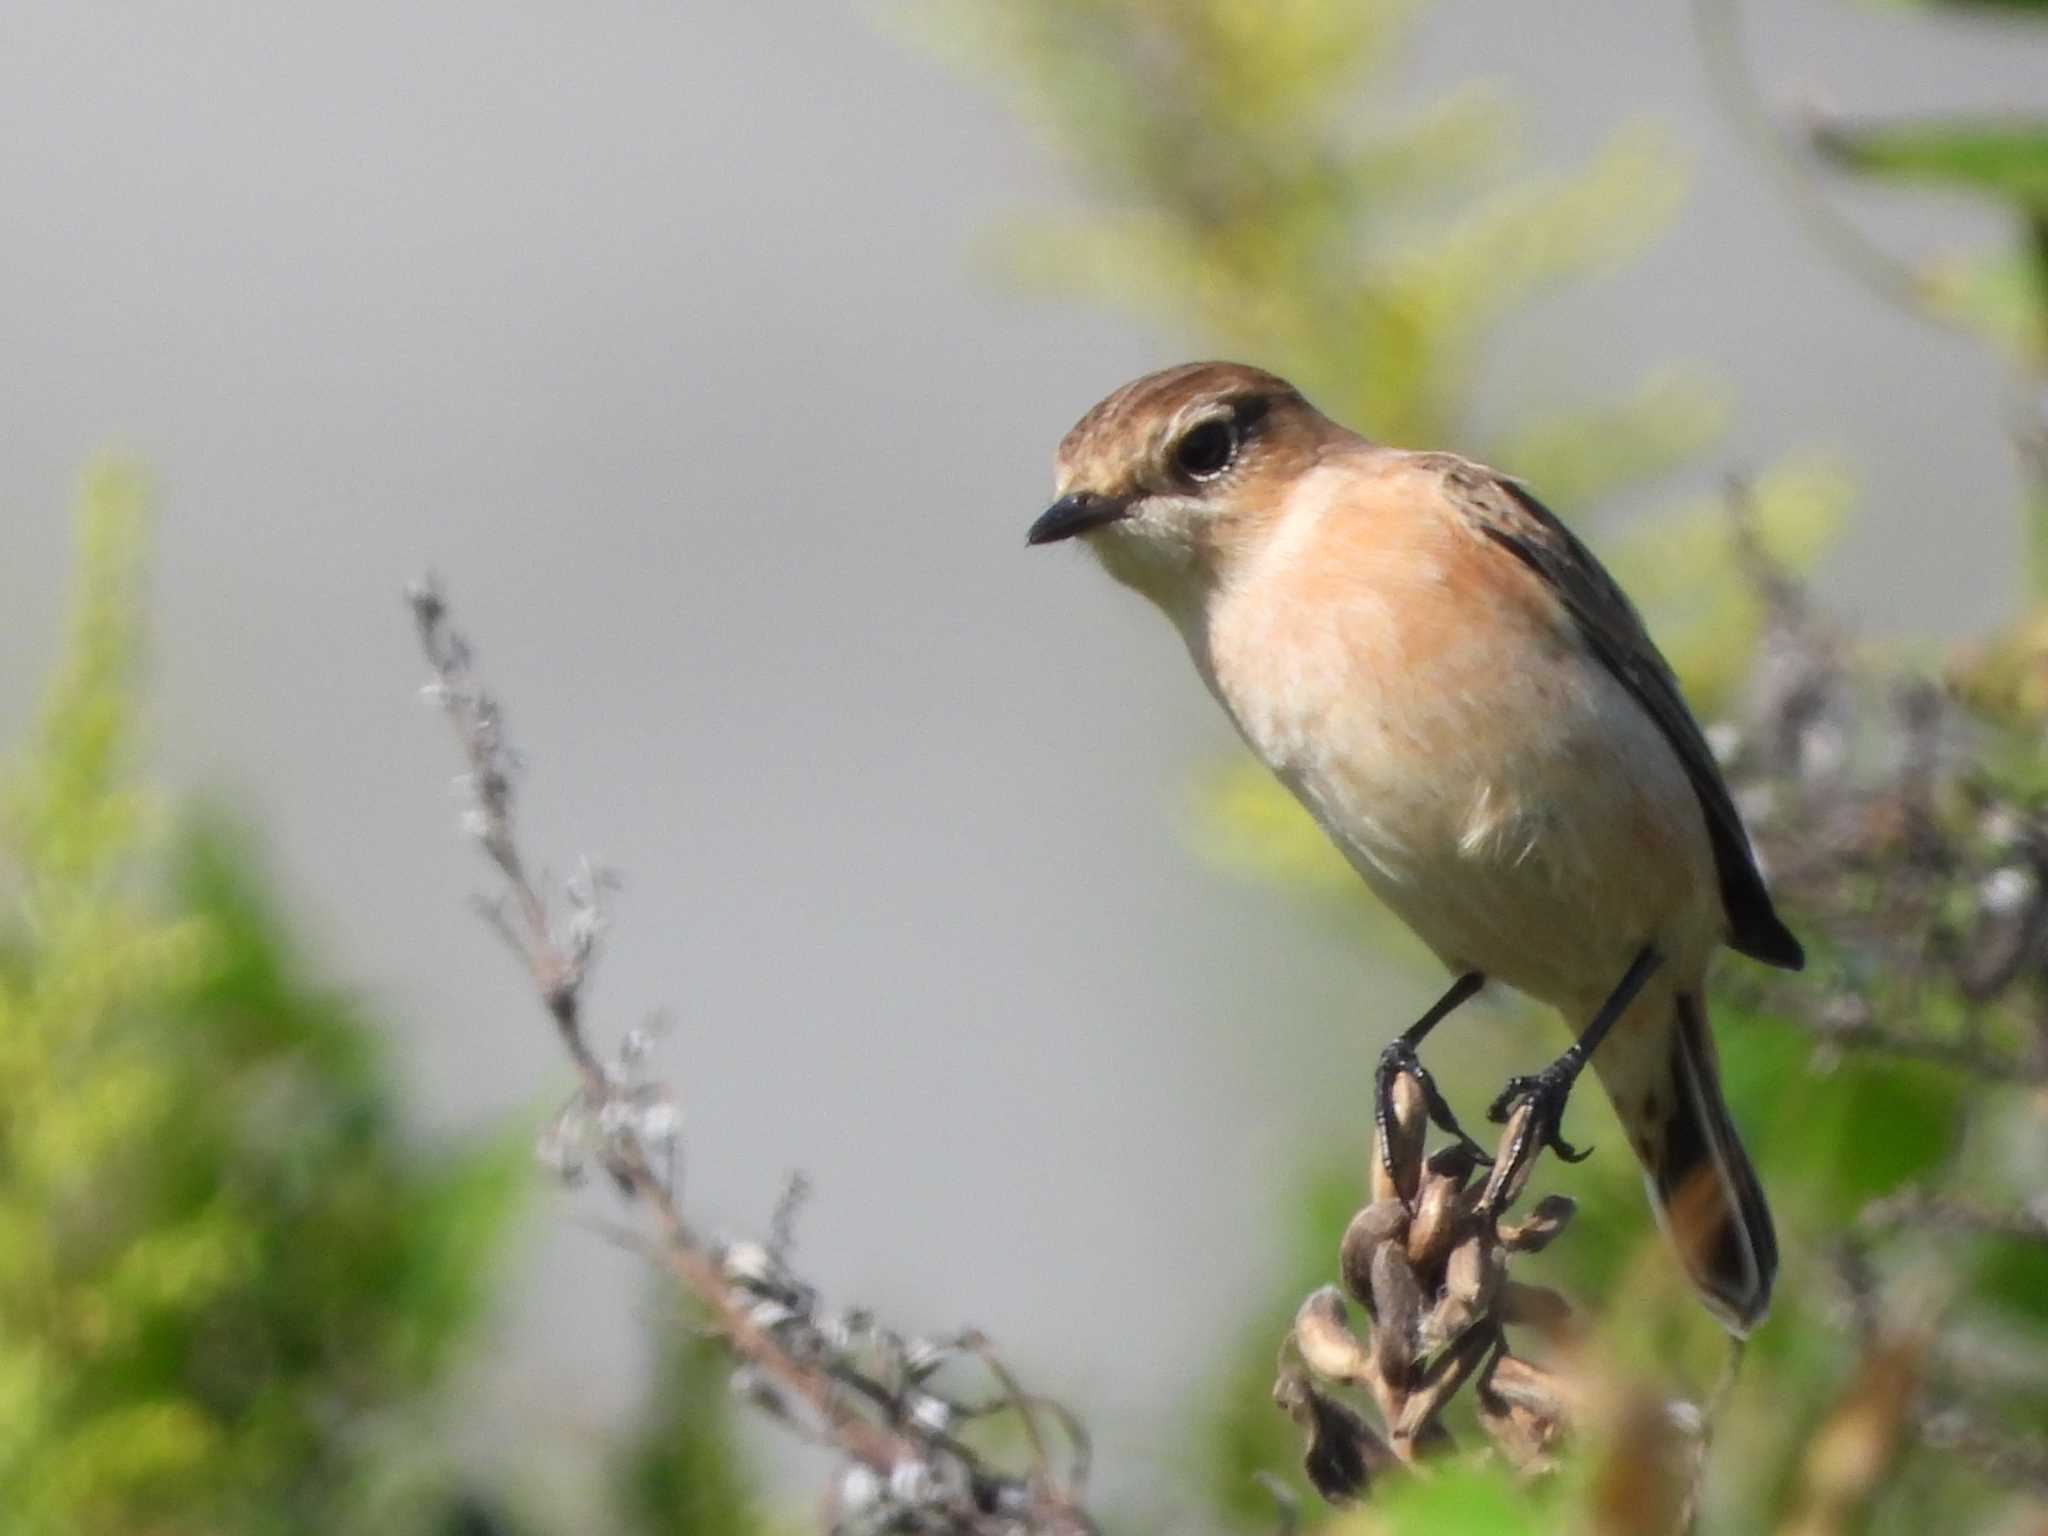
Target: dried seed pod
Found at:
1513, 1160
1546, 1432
1474, 1270
1535, 1232
1323, 1334
1541, 1391
1437, 1209
1397, 1148
1449, 1319
1440, 1383
1535, 1306
1382, 1221
1383, 1186
1472, 1277
1524, 1437
1342, 1448
1397, 1308
1497, 1420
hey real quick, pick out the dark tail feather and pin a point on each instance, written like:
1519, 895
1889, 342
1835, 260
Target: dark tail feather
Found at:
1705, 1191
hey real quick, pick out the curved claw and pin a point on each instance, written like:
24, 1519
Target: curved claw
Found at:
1504, 1102
1399, 1057
1547, 1093
1566, 1150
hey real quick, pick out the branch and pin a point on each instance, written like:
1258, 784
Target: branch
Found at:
1718, 26
1429, 1262
1936, 1212
865, 1391
1847, 1029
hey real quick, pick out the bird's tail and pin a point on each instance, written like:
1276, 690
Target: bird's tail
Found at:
1705, 1193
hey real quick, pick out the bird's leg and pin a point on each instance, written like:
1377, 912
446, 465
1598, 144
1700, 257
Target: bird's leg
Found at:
1547, 1091
1399, 1057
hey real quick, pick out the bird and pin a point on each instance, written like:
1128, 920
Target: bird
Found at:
1470, 708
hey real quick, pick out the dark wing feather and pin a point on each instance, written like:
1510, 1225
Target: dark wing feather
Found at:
1522, 525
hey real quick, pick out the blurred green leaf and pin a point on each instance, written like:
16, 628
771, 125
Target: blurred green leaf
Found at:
2015, 1275
686, 1474
1683, 570
1577, 459
226, 1274
1257, 194
2027, 8
1246, 1436
2007, 159
1829, 1137
2000, 297
1462, 1498
1246, 189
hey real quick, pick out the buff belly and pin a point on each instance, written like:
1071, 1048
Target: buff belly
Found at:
1556, 838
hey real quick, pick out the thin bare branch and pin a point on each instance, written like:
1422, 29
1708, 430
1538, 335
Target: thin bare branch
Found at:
885, 1420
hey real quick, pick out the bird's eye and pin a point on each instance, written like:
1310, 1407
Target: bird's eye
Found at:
1207, 449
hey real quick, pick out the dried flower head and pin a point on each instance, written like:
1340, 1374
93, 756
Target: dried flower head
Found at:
1428, 1262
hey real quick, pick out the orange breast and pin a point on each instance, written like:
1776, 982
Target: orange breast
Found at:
1431, 703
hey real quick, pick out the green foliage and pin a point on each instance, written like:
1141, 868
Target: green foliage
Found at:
1244, 1437
2020, 6
225, 1278
1994, 295
1683, 568
1246, 201
1469, 1499
1250, 191
686, 1474
2000, 296
1837, 1141
2006, 159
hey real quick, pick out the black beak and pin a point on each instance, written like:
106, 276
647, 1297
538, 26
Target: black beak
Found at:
1075, 514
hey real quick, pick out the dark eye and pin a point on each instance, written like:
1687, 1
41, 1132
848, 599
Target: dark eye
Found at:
1207, 449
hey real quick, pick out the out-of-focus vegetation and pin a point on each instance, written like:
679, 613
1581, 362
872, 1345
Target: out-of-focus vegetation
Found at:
1249, 196
686, 1471
932, 1433
1995, 295
1252, 194
230, 1288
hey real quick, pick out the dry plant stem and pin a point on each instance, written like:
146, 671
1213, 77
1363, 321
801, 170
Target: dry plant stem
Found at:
1997, 1453
558, 975
1868, 1035
1890, 825
1428, 1260
1717, 25
1027, 1406
559, 967
1841, 830
1940, 1417
1856, 1449
1925, 1209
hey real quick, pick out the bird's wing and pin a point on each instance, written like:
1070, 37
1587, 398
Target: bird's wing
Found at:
1507, 514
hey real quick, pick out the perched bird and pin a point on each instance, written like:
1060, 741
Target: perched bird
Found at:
1469, 707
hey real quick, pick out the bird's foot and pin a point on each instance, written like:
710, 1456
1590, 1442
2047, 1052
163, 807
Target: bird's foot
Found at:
1398, 1058
1545, 1094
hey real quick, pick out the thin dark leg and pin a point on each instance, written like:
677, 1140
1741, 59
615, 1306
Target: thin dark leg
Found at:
1399, 1057
1549, 1089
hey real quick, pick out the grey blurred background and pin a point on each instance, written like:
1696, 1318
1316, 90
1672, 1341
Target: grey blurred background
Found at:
661, 331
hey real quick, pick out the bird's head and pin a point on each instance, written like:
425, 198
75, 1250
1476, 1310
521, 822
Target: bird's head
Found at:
1179, 474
